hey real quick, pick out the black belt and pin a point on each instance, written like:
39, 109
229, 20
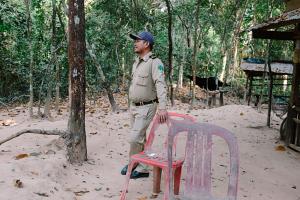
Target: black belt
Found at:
146, 102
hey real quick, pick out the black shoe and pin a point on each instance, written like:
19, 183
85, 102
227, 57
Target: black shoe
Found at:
124, 170
136, 175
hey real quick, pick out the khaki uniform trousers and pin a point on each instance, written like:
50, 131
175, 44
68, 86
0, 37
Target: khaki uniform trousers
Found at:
141, 117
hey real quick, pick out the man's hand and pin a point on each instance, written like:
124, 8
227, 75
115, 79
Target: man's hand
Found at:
163, 115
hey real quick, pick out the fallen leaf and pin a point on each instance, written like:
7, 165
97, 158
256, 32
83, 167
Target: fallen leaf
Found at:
280, 148
20, 156
48, 152
8, 122
153, 196
34, 173
142, 198
18, 183
42, 194
80, 193
59, 112
35, 153
241, 114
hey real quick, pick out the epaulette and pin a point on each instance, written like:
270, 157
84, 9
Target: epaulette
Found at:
153, 56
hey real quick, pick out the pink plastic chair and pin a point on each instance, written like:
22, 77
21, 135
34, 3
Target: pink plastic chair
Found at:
198, 161
158, 161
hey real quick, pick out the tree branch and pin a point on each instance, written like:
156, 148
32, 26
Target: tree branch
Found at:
35, 131
6, 106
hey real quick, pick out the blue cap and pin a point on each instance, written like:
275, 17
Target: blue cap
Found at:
143, 36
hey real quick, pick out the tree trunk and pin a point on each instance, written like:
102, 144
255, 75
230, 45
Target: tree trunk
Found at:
53, 63
226, 51
188, 41
225, 57
57, 68
47, 110
180, 71
111, 99
123, 70
195, 51
135, 12
239, 18
170, 59
57, 88
29, 30
76, 140
232, 63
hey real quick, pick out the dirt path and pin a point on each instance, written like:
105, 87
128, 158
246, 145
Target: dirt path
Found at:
265, 173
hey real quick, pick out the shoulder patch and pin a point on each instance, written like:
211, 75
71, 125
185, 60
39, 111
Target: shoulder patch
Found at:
161, 68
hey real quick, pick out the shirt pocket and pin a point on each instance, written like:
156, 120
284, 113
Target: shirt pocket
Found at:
142, 79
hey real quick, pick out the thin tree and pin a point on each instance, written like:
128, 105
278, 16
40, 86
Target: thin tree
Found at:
109, 92
76, 140
239, 16
57, 73
226, 39
170, 58
29, 32
194, 61
47, 111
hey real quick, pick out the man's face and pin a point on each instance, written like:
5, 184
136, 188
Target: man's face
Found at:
140, 46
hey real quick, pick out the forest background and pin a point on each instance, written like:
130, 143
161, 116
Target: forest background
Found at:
205, 38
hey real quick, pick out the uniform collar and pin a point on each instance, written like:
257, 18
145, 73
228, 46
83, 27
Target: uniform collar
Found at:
147, 56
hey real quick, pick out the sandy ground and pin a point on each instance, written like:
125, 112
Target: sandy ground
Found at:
265, 173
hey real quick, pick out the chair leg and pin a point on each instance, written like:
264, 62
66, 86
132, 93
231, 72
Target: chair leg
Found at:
129, 169
177, 176
167, 182
156, 180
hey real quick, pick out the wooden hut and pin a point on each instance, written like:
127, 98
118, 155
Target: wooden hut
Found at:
269, 30
256, 72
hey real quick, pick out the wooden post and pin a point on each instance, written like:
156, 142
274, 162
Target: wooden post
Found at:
213, 99
270, 94
297, 135
221, 98
290, 125
209, 101
246, 89
250, 89
294, 103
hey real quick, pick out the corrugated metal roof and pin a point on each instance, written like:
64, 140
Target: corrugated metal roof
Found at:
288, 18
276, 67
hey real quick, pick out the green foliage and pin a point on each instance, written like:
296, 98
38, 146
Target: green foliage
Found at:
12, 48
108, 23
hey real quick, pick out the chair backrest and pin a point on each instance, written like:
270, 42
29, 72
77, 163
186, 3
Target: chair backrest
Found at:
198, 157
172, 117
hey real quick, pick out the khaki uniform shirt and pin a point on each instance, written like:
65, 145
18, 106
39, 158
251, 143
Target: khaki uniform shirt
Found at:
148, 81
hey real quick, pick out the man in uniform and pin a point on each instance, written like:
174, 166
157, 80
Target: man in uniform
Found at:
147, 92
